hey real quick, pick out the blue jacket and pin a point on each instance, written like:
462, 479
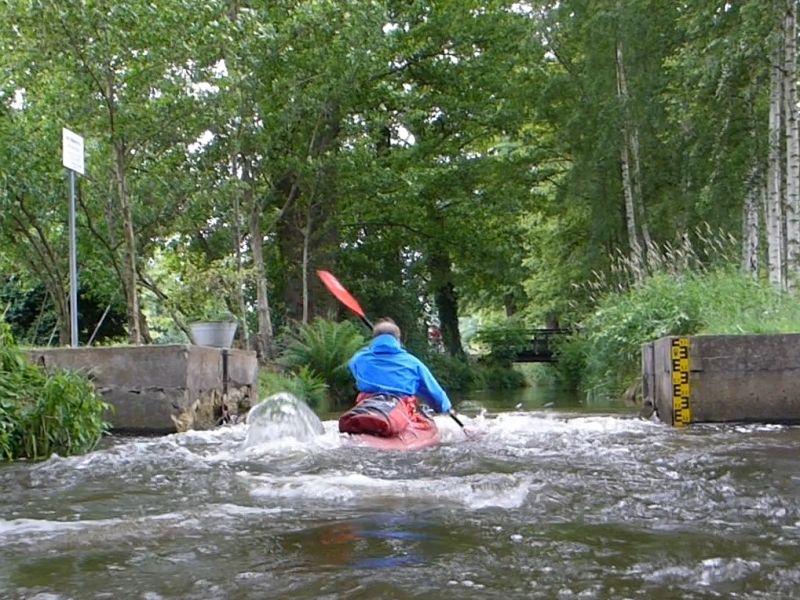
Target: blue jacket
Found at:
385, 366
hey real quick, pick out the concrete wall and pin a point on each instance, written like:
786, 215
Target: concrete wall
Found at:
719, 378
163, 389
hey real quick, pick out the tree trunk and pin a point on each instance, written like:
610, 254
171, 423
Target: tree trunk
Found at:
237, 247
263, 340
510, 304
774, 212
446, 299
628, 184
751, 225
306, 242
43, 259
638, 196
290, 240
131, 288
307, 234
792, 204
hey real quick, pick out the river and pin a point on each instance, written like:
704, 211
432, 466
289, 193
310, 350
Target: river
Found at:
547, 499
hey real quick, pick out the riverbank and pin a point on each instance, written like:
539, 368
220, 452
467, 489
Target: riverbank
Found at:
603, 358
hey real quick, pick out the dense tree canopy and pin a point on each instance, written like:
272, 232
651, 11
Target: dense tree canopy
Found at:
442, 158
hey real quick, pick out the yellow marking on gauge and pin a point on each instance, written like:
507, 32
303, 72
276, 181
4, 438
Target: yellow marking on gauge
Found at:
681, 411
680, 377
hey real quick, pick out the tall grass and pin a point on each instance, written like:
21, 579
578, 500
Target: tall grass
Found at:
682, 292
43, 413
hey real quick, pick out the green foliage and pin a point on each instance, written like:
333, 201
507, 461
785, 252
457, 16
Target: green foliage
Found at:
414, 146
323, 348
462, 375
454, 374
610, 338
303, 384
499, 377
43, 413
605, 354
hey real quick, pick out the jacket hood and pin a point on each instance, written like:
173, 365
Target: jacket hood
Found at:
386, 344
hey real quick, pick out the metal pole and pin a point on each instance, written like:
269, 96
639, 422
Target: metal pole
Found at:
73, 265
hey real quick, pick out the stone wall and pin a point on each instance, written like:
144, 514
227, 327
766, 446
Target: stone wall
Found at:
164, 389
720, 378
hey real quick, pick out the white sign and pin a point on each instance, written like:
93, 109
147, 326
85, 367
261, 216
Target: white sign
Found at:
72, 146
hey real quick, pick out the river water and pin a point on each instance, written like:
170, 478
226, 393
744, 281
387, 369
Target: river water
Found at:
547, 499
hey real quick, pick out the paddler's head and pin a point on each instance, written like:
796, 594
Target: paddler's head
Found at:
386, 325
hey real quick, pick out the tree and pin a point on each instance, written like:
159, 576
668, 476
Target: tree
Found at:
120, 78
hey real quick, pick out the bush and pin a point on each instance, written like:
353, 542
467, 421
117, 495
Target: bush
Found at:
323, 348
316, 357
496, 377
43, 413
453, 374
460, 375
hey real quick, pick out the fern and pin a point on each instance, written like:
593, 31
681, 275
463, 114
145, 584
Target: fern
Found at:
323, 349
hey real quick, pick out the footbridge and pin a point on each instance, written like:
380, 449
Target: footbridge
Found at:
538, 345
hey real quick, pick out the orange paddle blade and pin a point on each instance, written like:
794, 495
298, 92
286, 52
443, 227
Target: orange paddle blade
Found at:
341, 294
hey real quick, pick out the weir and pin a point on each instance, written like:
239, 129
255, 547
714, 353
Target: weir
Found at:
160, 389
723, 378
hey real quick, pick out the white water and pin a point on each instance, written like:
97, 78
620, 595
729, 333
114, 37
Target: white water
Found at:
532, 504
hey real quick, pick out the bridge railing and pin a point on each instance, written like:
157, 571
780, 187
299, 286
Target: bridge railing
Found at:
540, 345
524, 345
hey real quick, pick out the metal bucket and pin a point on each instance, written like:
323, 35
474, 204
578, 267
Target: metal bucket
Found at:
218, 334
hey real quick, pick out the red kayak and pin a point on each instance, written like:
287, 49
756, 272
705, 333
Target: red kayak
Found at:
389, 422
410, 439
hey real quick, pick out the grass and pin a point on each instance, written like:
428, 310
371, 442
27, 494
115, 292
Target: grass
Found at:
677, 291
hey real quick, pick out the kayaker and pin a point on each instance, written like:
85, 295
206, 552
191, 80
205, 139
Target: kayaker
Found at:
389, 380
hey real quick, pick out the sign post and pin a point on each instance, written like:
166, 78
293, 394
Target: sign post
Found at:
72, 151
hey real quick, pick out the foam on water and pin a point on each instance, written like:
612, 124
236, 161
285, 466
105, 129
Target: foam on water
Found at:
285, 428
34, 531
281, 416
473, 492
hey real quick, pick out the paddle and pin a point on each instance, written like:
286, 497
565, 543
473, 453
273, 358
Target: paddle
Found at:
342, 295
346, 298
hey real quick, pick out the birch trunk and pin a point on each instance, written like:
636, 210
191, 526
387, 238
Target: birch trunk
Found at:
751, 222
792, 204
774, 212
237, 242
628, 185
638, 197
